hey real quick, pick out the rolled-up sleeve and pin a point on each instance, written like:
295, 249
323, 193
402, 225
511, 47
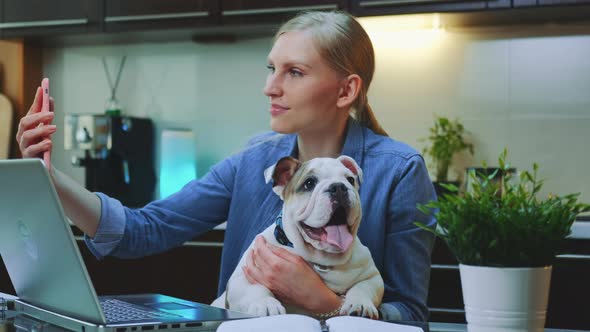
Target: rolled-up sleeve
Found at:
110, 228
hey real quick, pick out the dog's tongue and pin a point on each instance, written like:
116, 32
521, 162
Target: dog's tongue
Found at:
339, 236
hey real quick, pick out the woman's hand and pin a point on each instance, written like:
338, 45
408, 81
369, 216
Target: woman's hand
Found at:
35, 129
289, 278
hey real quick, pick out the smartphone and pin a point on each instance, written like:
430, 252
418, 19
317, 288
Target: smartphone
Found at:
45, 108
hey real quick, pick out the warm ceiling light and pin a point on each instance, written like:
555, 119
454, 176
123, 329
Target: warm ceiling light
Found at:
401, 22
403, 31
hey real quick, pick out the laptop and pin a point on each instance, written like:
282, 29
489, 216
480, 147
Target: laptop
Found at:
49, 275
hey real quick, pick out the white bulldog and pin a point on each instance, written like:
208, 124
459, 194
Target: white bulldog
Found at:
320, 218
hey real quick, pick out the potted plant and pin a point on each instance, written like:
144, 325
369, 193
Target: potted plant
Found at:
505, 239
446, 139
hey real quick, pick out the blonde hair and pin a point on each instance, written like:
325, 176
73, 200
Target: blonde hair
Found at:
347, 48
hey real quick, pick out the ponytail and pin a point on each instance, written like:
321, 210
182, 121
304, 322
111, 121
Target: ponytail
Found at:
367, 118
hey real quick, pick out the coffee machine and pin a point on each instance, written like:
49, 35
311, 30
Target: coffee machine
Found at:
118, 155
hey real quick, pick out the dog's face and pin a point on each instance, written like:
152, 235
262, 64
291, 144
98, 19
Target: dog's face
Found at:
322, 209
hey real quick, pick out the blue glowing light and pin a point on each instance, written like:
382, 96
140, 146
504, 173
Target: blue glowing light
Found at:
177, 161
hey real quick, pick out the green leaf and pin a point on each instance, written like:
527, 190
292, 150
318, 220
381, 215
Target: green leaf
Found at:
446, 139
504, 223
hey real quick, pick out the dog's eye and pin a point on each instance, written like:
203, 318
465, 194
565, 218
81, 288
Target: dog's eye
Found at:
350, 179
309, 184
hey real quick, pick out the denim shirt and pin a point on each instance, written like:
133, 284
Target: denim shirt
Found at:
395, 180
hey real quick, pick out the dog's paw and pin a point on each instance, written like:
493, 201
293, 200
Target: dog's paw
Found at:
359, 307
266, 307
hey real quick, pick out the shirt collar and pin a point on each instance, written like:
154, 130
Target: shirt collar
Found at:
353, 143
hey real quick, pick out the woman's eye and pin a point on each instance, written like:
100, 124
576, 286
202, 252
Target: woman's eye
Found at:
309, 184
295, 73
350, 179
271, 68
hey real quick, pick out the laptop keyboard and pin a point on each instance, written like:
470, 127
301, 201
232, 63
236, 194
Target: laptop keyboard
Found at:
119, 311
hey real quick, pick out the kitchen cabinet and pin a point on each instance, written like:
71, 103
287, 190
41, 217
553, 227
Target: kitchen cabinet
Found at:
272, 11
5, 283
125, 15
190, 271
85, 21
543, 3
563, 2
20, 18
388, 7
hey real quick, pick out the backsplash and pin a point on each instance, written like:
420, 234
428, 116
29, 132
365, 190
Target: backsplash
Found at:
525, 88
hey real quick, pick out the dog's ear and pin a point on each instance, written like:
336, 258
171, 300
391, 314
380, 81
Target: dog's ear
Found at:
281, 173
351, 164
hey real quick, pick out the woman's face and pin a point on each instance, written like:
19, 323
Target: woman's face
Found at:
303, 89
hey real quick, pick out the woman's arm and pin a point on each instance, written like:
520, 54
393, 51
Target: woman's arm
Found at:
34, 139
80, 205
167, 223
406, 267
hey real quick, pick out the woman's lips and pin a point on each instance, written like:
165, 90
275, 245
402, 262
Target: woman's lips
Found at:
277, 109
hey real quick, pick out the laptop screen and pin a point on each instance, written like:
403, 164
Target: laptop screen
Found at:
37, 245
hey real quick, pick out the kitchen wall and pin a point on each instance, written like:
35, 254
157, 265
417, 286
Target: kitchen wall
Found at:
214, 90
526, 88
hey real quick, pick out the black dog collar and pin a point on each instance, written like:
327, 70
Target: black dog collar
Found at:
281, 238
280, 235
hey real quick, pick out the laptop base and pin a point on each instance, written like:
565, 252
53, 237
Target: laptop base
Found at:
76, 325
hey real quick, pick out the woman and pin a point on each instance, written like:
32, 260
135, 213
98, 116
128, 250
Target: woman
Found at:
321, 65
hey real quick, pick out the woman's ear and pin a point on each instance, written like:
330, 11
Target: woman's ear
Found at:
349, 91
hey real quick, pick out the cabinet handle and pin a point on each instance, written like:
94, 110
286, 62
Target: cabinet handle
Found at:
239, 12
378, 3
444, 266
131, 18
38, 24
582, 257
186, 244
447, 311
575, 257
203, 244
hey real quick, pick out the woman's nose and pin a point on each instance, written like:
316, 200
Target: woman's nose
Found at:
272, 87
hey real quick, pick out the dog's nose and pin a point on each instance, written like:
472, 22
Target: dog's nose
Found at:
337, 188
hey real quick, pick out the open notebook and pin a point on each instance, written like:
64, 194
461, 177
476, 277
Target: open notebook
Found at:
300, 323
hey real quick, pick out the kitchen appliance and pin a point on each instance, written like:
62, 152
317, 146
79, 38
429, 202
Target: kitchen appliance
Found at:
118, 155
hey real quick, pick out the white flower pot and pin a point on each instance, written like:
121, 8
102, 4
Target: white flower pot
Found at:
499, 299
